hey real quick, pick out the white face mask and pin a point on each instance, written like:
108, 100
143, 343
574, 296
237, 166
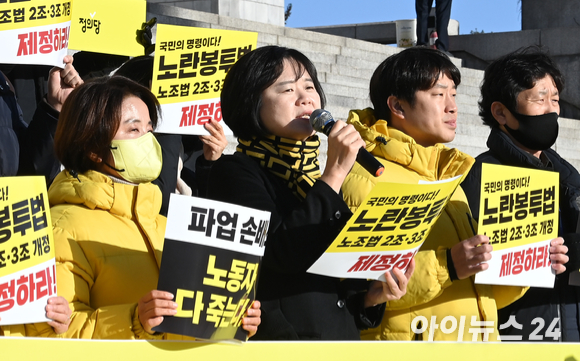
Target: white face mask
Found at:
137, 160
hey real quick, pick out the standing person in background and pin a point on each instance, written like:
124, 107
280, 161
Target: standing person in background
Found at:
442, 14
37, 148
12, 128
520, 96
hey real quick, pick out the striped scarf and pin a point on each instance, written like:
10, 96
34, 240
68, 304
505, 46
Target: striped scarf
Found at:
296, 162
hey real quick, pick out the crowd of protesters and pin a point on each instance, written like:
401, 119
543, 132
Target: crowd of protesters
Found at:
110, 177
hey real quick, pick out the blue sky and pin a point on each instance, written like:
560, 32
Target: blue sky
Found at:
487, 15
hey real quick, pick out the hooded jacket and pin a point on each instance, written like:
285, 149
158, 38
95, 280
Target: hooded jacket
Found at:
430, 293
563, 301
108, 240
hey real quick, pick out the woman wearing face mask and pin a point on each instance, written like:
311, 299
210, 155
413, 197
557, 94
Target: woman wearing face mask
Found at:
267, 98
107, 228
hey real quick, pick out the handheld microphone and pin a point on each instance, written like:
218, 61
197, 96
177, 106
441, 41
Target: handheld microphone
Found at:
323, 122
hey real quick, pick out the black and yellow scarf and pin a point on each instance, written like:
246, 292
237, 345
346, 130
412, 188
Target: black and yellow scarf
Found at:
296, 162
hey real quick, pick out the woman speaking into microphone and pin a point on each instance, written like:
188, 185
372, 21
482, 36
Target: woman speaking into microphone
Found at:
267, 99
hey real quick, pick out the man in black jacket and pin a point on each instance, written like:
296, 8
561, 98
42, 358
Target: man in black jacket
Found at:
520, 103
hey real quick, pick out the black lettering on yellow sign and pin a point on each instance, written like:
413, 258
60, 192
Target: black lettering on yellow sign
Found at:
509, 234
199, 63
408, 199
389, 240
4, 193
33, 13
506, 185
26, 215
519, 205
194, 43
90, 23
405, 218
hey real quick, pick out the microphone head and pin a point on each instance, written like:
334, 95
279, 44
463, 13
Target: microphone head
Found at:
320, 118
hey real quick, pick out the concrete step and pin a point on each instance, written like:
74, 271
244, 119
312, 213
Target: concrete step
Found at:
345, 67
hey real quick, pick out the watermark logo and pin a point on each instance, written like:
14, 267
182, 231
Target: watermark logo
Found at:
480, 330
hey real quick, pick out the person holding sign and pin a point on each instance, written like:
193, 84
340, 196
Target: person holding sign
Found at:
37, 157
520, 96
140, 69
107, 228
413, 93
267, 99
57, 309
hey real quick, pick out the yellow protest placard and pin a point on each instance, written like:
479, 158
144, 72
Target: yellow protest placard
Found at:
34, 32
107, 26
189, 69
27, 268
386, 231
519, 214
37, 348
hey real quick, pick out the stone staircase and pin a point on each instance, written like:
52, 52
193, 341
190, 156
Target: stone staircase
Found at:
345, 67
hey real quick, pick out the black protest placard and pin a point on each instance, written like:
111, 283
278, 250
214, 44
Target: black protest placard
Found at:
210, 263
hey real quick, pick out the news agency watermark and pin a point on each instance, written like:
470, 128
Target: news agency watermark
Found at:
449, 324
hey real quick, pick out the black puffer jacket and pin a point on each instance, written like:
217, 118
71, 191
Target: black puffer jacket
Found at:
563, 301
12, 127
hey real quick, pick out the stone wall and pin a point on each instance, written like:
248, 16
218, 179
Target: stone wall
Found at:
265, 11
345, 67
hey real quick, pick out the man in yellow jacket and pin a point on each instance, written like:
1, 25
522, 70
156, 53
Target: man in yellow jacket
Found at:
413, 93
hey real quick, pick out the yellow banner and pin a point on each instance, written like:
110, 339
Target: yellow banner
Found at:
518, 206
25, 225
394, 217
107, 26
29, 14
88, 350
191, 63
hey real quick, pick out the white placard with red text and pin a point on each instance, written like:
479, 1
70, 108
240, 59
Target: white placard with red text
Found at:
520, 266
188, 74
519, 213
35, 32
30, 289
386, 231
27, 264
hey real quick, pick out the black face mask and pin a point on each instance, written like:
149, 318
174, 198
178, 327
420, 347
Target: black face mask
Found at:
536, 132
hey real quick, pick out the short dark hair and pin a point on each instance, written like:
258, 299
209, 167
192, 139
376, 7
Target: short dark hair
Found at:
405, 73
91, 116
241, 96
139, 69
505, 78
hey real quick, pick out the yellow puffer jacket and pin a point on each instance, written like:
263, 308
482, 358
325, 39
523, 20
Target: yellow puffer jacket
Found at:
430, 291
108, 242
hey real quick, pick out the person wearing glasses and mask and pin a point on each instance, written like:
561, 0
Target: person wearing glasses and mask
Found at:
520, 96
